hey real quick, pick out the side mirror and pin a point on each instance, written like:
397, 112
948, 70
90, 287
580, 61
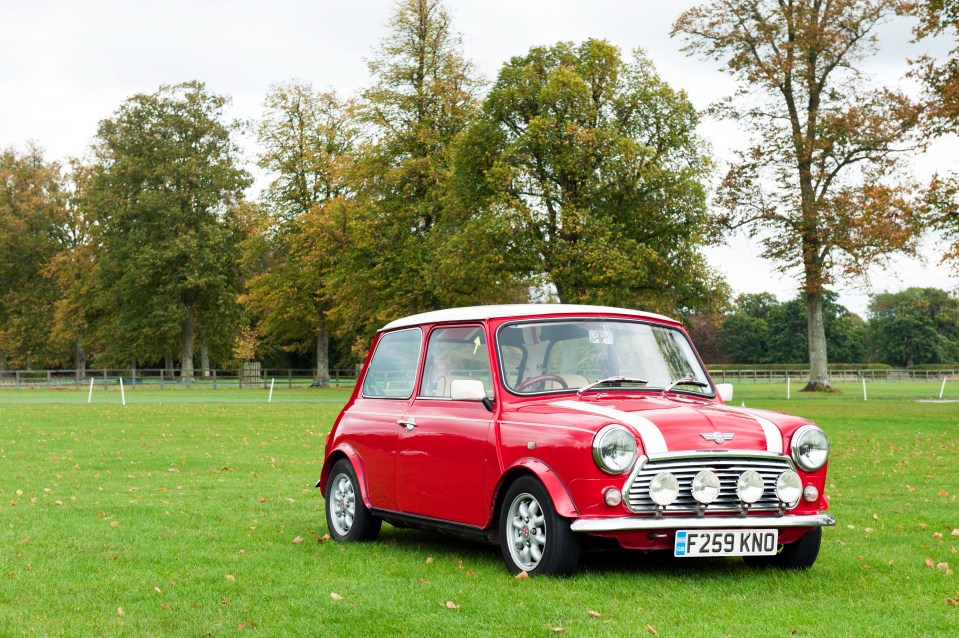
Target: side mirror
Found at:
467, 390
725, 391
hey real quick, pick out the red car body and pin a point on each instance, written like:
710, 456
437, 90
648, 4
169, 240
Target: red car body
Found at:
432, 460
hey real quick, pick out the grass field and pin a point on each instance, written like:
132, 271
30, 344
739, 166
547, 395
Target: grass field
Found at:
179, 515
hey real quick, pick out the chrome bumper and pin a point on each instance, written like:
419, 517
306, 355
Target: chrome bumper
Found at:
712, 522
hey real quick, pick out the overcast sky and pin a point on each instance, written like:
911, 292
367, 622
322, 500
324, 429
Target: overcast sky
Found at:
65, 65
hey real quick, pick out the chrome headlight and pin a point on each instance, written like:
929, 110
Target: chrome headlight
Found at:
810, 448
614, 449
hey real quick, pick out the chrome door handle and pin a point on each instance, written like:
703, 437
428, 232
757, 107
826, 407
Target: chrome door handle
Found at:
409, 423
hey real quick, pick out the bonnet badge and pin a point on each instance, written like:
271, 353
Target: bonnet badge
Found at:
718, 437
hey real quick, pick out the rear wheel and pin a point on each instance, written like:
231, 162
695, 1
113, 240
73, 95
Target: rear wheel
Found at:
533, 537
800, 554
347, 518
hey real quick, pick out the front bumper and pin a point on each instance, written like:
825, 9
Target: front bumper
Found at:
688, 522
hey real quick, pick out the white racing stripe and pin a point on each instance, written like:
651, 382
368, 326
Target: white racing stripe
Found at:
774, 436
653, 439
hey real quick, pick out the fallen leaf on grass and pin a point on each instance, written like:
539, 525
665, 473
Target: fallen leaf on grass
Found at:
297, 540
522, 576
953, 601
230, 577
594, 614
336, 596
937, 536
451, 605
429, 559
323, 538
58, 502
943, 493
120, 611
558, 630
652, 630
955, 532
114, 523
929, 562
422, 582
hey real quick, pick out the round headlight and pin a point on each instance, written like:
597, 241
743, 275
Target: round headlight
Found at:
750, 486
789, 488
664, 489
614, 449
706, 487
810, 448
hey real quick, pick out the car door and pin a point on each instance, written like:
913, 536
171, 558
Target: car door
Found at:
374, 418
442, 450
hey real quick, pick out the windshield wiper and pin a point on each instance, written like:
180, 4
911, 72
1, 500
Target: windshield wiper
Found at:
585, 388
685, 381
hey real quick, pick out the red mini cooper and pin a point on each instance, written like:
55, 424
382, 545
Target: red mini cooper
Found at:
541, 427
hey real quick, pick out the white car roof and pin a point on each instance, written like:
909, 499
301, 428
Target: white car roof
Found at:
478, 313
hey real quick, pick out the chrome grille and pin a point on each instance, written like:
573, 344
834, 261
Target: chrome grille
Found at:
684, 467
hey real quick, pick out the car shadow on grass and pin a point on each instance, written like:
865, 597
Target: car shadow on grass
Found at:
421, 546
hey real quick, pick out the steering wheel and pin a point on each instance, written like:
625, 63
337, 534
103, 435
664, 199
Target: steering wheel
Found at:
542, 378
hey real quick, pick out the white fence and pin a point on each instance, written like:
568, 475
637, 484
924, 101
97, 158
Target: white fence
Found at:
134, 378
835, 376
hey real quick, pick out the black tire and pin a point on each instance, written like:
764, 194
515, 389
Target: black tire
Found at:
347, 518
799, 554
533, 537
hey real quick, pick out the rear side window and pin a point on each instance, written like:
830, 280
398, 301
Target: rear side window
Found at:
392, 370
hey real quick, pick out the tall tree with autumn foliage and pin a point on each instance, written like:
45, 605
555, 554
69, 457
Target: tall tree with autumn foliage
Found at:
32, 217
397, 250
940, 78
308, 140
822, 184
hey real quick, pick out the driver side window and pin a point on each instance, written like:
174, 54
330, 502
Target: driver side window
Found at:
453, 354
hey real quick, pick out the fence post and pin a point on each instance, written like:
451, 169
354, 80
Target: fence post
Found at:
289, 377
214, 378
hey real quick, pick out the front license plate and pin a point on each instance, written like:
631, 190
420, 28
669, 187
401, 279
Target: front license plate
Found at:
726, 542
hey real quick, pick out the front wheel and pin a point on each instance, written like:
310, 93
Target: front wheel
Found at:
347, 518
800, 554
533, 537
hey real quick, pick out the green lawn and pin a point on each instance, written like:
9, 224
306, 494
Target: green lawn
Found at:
178, 515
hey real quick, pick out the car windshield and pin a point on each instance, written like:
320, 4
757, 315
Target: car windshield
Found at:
569, 354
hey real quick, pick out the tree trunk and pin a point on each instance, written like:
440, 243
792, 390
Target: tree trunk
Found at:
79, 357
322, 376
816, 334
186, 347
204, 356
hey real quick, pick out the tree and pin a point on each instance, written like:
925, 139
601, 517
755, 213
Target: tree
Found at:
593, 165
164, 189
915, 326
822, 184
308, 142
940, 18
398, 240
32, 215
73, 271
